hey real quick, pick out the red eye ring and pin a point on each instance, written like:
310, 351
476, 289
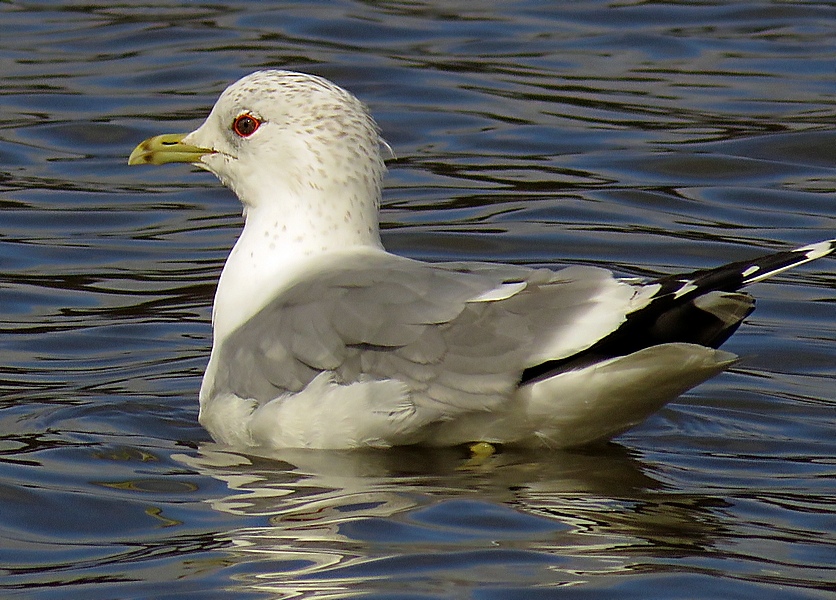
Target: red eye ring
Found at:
245, 125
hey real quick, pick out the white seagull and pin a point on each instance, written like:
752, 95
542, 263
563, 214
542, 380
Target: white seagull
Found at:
323, 339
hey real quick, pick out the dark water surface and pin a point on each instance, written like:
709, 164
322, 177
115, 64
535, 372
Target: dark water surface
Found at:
650, 136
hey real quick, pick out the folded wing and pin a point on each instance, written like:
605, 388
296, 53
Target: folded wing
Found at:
459, 335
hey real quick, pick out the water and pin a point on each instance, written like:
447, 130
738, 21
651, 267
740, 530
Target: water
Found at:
648, 136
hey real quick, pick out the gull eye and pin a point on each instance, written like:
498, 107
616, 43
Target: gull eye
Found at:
245, 125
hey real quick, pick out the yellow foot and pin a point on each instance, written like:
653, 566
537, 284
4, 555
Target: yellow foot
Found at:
480, 453
482, 450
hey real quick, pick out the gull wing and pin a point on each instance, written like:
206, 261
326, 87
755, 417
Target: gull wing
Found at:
458, 335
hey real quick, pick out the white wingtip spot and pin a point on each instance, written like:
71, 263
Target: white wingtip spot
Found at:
809, 253
687, 286
819, 249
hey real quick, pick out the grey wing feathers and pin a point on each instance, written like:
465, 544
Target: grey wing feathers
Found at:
458, 334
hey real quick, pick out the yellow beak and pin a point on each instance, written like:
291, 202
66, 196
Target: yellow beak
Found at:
166, 148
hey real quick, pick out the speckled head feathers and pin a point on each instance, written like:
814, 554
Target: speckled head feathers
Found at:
304, 102
306, 133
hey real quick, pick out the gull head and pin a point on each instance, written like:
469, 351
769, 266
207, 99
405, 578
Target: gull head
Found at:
281, 137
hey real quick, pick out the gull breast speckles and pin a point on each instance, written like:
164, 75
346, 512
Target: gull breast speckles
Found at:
322, 339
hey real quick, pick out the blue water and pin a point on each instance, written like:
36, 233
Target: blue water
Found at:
650, 137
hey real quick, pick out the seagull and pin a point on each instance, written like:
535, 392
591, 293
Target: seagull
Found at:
324, 340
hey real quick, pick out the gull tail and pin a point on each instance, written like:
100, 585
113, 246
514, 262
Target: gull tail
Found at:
662, 349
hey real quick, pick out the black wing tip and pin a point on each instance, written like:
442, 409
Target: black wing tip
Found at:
736, 275
701, 307
767, 266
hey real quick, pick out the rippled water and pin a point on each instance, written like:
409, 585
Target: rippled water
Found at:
649, 136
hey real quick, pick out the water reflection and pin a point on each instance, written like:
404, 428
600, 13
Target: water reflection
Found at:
340, 521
